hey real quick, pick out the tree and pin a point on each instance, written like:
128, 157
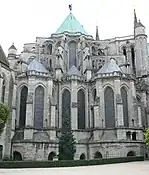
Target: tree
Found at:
4, 113
67, 147
147, 137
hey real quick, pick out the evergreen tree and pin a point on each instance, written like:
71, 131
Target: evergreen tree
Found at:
67, 147
4, 113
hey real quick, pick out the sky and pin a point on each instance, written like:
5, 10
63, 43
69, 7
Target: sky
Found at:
23, 20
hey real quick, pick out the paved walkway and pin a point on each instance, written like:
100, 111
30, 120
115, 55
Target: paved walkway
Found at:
134, 168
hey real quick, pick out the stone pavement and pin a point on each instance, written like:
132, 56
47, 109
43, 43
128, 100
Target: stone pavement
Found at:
134, 168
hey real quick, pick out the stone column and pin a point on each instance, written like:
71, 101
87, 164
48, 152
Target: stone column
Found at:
139, 116
14, 106
49, 102
99, 112
74, 107
28, 133
132, 105
119, 120
86, 109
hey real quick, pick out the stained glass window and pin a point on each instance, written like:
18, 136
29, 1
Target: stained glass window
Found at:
23, 99
109, 108
125, 106
81, 109
39, 107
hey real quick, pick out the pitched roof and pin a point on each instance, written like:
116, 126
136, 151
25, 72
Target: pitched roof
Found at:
74, 71
3, 58
110, 67
35, 65
71, 25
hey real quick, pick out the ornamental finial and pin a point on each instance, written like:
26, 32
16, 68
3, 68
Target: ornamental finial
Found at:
70, 7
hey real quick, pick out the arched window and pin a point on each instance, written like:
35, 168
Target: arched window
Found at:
50, 64
124, 51
109, 108
39, 107
93, 51
66, 109
134, 136
3, 89
23, 99
93, 64
125, 106
92, 118
72, 54
81, 109
94, 95
133, 59
50, 49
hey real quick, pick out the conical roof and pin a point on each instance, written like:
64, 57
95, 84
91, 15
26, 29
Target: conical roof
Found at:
71, 25
35, 65
12, 47
110, 67
74, 71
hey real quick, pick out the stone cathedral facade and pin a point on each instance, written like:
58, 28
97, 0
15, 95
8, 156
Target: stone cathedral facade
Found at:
101, 85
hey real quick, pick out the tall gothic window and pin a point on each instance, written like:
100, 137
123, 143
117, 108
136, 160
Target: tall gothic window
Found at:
66, 109
3, 89
72, 54
133, 59
125, 106
23, 99
109, 108
50, 49
124, 51
81, 109
39, 107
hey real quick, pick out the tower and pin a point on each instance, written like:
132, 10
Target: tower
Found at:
140, 48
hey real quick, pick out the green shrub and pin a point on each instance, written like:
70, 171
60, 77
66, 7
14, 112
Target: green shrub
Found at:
66, 163
4, 113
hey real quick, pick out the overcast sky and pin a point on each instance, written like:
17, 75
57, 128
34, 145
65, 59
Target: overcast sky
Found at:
23, 20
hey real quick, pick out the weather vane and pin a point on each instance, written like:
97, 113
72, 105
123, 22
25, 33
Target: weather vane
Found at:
70, 7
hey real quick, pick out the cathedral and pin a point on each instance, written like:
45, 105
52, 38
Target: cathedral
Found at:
102, 86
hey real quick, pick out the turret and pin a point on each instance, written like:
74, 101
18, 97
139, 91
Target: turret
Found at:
12, 51
140, 48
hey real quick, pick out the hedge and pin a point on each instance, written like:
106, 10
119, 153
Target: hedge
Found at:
70, 163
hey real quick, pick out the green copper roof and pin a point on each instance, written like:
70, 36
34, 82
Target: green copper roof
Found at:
71, 25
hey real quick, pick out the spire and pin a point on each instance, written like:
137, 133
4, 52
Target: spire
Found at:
135, 16
97, 34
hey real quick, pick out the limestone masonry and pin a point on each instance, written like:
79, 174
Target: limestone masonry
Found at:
101, 85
